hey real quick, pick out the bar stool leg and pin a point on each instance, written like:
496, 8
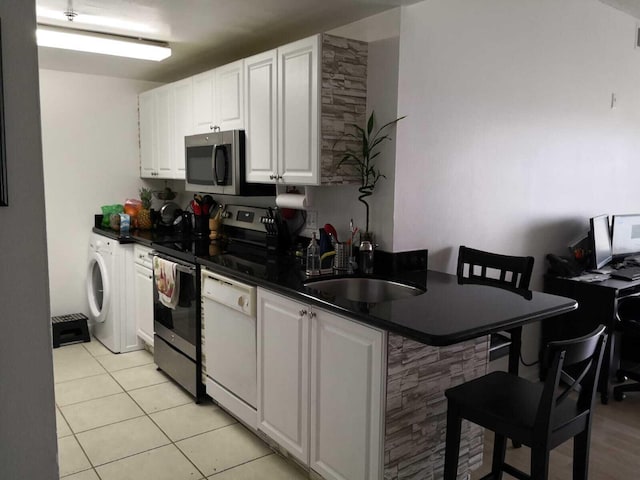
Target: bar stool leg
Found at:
581, 455
452, 449
499, 452
539, 463
514, 359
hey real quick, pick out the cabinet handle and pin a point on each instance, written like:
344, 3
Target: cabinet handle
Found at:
312, 314
303, 313
273, 177
279, 177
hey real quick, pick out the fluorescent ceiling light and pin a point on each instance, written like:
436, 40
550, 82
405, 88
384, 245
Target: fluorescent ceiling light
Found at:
94, 42
82, 18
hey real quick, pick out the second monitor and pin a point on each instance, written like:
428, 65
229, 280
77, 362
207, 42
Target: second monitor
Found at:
600, 239
625, 233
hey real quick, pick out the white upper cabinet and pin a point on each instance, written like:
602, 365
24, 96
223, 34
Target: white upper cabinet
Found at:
183, 115
165, 118
320, 89
298, 95
229, 95
261, 117
165, 124
148, 147
204, 102
295, 104
218, 99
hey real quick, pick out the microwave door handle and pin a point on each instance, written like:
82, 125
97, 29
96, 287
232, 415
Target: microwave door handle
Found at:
220, 164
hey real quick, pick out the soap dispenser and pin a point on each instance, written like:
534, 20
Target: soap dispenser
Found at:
313, 257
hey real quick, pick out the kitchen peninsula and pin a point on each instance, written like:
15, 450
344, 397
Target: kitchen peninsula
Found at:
355, 390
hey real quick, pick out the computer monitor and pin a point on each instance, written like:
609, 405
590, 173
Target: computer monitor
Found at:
625, 235
600, 237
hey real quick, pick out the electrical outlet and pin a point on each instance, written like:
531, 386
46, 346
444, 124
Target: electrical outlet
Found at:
312, 219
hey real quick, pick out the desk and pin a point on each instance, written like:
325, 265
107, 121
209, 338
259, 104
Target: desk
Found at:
597, 304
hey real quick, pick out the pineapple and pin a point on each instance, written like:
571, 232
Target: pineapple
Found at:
144, 215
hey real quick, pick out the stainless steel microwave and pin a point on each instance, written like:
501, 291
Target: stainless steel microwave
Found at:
215, 163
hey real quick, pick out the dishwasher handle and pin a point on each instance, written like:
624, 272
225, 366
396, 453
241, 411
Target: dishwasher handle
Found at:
230, 294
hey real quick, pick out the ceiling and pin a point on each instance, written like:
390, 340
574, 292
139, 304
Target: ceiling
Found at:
632, 7
202, 33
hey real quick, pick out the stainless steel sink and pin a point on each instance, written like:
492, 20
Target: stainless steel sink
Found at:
369, 290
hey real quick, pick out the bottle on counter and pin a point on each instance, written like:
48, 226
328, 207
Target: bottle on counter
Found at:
366, 257
313, 257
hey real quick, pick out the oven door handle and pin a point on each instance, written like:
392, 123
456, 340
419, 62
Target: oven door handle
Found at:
183, 269
190, 269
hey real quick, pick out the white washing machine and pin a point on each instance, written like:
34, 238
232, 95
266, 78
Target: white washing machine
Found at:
110, 285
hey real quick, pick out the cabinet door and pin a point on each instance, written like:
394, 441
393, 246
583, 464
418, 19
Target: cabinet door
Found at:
203, 102
165, 130
346, 398
229, 96
261, 117
298, 127
183, 115
147, 119
283, 373
143, 288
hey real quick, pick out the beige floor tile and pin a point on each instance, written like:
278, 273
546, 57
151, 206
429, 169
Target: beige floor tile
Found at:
83, 389
113, 442
86, 475
221, 449
68, 368
271, 467
96, 349
101, 411
70, 352
138, 377
62, 426
191, 419
71, 458
160, 397
164, 463
121, 361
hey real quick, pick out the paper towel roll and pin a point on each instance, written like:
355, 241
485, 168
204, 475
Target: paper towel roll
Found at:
292, 200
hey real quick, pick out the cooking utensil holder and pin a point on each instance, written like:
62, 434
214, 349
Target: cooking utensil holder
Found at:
341, 259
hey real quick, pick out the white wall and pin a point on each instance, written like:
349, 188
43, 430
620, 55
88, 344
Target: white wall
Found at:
27, 413
91, 158
510, 143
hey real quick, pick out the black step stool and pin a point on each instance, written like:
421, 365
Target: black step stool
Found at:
69, 329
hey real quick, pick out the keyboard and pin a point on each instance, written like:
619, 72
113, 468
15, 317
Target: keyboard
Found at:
626, 273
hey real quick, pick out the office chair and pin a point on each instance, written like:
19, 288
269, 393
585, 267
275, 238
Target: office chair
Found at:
628, 329
539, 415
502, 271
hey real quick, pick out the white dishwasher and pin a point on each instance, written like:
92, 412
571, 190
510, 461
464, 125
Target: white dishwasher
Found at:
229, 318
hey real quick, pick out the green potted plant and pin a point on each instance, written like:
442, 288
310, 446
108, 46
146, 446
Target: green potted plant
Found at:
363, 159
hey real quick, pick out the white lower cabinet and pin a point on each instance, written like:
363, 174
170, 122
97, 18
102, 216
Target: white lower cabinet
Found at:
143, 290
321, 387
283, 372
346, 398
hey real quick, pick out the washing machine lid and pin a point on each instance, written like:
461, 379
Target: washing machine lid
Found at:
98, 287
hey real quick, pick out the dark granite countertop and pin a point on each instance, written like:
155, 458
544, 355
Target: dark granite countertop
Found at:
446, 313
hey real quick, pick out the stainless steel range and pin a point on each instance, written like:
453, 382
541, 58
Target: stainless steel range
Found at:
177, 325
251, 234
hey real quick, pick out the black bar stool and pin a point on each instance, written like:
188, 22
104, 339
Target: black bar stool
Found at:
533, 414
